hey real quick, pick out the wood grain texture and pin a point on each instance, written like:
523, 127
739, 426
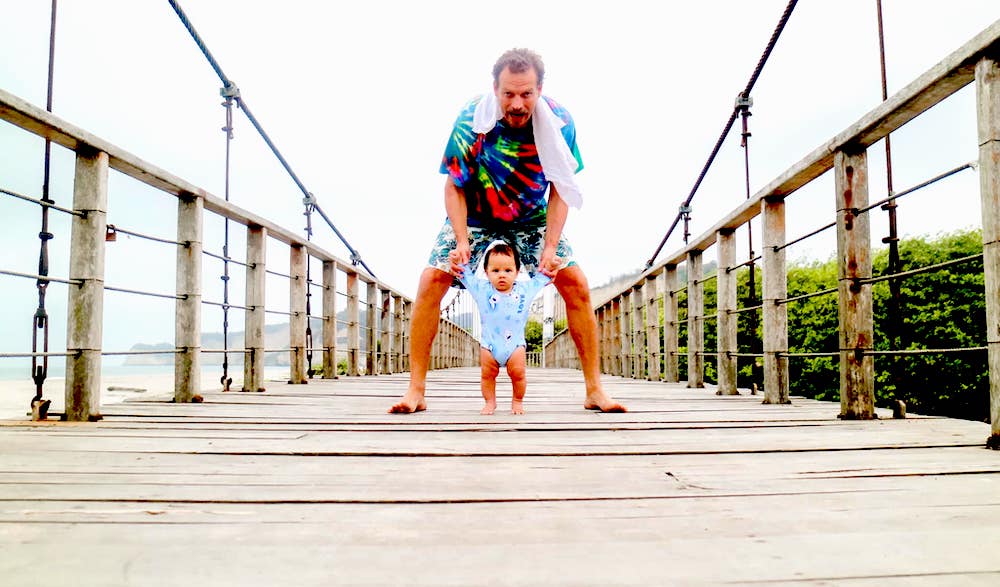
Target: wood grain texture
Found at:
317, 485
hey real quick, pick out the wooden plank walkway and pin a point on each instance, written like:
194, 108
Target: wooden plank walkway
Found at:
316, 485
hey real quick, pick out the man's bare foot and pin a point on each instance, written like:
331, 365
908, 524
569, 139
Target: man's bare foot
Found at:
413, 401
516, 407
488, 409
601, 401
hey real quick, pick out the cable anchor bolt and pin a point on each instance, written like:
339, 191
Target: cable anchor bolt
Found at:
230, 91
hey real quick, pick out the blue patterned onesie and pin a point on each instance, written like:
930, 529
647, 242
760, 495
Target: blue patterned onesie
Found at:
503, 315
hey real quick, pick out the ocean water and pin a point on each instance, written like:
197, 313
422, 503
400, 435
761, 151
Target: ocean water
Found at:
57, 368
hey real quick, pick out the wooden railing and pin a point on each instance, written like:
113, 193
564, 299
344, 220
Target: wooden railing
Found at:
630, 321
388, 311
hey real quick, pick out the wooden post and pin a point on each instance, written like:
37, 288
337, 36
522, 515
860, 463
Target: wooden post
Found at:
627, 333
857, 373
615, 351
653, 327
371, 337
353, 324
774, 310
638, 334
298, 319
85, 307
397, 334
386, 322
407, 310
726, 322
988, 102
329, 319
253, 358
696, 321
187, 329
602, 332
671, 328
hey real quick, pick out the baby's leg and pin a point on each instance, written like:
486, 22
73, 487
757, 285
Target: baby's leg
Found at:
488, 383
516, 365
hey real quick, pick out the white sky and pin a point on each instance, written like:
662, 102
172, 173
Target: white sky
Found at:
360, 98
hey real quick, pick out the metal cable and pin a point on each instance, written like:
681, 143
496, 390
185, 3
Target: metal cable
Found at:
285, 275
29, 355
925, 269
226, 305
154, 352
309, 199
729, 125
919, 186
48, 204
804, 237
749, 261
814, 294
924, 351
145, 293
37, 277
224, 258
113, 230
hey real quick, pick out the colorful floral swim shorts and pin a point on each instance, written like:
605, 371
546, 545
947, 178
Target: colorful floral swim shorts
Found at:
527, 240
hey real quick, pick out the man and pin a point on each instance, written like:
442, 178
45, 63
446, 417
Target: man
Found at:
504, 151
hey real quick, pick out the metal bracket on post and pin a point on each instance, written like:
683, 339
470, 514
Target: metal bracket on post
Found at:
685, 212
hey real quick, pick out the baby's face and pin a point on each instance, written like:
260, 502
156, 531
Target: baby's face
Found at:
501, 272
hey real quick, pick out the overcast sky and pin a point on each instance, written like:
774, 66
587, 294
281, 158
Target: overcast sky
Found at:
360, 98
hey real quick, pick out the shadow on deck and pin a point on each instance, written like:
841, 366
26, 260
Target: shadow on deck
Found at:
316, 485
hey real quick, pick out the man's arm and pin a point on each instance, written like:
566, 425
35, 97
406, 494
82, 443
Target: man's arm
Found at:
458, 214
555, 219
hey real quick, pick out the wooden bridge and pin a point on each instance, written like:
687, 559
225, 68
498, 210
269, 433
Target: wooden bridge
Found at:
315, 484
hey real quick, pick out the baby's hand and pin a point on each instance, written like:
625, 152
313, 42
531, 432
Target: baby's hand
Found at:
457, 265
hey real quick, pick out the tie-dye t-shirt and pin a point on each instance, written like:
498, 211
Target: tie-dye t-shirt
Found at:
499, 171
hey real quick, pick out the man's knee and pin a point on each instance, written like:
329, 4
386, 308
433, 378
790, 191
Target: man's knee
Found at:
572, 285
434, 282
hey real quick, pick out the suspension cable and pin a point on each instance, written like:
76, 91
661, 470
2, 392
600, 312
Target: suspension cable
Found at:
40, 321
309, 200
43, 203
729, 125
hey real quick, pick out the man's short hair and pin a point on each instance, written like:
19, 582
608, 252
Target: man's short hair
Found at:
519, 61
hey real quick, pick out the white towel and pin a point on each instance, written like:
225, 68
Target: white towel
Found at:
558, 162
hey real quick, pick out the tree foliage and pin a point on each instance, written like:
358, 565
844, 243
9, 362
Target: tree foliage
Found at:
941, 309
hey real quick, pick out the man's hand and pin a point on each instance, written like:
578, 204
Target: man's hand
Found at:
549, 262
459, 256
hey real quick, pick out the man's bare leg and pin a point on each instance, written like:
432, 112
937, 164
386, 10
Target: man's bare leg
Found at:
516, 365
434, 284
573, 287
489, 369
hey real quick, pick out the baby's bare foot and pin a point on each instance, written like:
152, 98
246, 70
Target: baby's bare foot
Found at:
516, 407
488, 409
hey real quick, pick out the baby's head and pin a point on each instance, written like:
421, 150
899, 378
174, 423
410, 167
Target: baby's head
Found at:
501, 265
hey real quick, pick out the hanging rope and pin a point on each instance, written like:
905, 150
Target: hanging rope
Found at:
729, 125
309, 200
40, 321
893, 330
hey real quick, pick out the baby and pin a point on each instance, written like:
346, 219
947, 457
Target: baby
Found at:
503, 307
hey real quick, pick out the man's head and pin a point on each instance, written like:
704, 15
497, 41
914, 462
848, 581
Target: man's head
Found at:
501, 265
517, 83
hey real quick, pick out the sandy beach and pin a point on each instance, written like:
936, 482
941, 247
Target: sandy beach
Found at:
16, 395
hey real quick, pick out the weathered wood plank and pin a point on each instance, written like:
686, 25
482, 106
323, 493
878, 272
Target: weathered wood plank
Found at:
323, 469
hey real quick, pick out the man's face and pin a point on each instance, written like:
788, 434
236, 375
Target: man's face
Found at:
501, 271
517, 93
